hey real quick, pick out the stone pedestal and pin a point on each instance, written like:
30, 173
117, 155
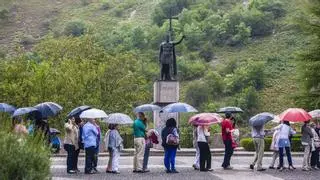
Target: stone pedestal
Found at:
164, 93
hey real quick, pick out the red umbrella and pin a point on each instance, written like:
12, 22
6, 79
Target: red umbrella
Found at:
295, 115
205, 119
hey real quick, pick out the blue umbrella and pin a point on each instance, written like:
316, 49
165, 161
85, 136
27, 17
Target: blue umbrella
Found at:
230, 109
147, 107
48, 109
22, 111
261, 119
77, 111
7, 108
179, 107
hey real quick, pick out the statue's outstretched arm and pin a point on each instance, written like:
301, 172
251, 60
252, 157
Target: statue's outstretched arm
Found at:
176, 43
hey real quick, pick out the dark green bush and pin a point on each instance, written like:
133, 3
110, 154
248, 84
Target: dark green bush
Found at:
74, 28
23, 158
197, 93
247, 144
4, 14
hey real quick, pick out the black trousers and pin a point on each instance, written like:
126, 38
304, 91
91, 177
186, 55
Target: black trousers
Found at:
89, 159
227, 153
315, 158
75, 160
96, 155
205, 156
71, 156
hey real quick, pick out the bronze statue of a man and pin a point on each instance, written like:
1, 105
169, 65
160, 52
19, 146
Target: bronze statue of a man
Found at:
167, 58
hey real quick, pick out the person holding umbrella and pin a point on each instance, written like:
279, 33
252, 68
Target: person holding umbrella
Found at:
97, 149
258, 139
226, 128
284, 143
205, 154
315, 148
113, 143
89, 138
71, 144
306, 141
196, 164
139, 142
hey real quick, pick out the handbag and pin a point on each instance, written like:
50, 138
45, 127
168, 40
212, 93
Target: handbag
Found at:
149, 143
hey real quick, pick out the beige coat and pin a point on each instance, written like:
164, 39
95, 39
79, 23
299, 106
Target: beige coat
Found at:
72, 135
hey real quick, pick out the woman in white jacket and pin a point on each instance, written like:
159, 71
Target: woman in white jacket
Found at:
284, 143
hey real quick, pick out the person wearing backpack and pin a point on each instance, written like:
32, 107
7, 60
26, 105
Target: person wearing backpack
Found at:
170, 143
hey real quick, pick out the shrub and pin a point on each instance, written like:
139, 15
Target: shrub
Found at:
197, 93
74, 28
247, 144
190, 70
23, 158
4, 14
27, 40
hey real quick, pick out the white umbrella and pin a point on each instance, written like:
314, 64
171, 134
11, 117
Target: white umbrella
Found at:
118, 118
179, 107
93, 114
315, 113
146, 108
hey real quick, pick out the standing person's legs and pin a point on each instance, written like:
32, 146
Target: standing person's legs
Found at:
208, 158
173, 159
196, 163
260, 153
274, 158
313, 158
89, 159
167, 159
95, 158
139, 153
202, 149
280, 157
115, 160
229, 152
256, 147
109, 167
146, 158
289, 157
70, 154
306, 154
226, 154
75, 160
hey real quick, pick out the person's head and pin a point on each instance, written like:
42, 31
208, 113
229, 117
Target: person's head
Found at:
228, 115
91, 120
313, 125
286, 123
113, 126
306, 122
140, 115
171, 123
78, 121
72, 120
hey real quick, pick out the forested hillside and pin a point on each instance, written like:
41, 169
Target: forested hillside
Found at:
105, 53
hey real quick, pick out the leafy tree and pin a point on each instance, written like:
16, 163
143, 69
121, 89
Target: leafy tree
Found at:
310, 59
74, 28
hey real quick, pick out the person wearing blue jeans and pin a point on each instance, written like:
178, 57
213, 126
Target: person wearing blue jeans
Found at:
170, 148
170, 158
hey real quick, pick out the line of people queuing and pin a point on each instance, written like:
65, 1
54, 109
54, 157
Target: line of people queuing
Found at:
281, 141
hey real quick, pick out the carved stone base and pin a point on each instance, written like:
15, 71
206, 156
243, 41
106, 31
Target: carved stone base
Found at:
164, 93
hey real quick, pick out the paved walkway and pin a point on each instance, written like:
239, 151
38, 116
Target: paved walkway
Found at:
240, 172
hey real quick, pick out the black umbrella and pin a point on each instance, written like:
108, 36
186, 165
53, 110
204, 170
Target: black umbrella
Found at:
230, 109
48, 109
77, 111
